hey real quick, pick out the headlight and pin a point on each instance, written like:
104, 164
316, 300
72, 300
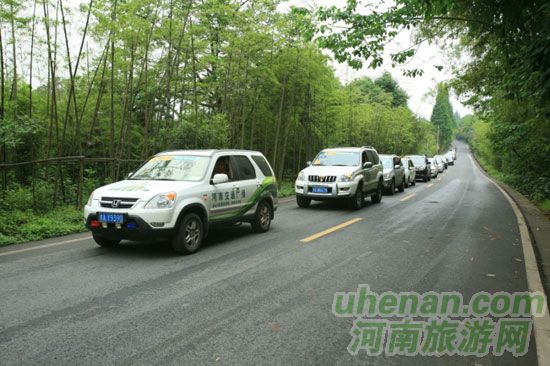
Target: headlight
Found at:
345, 177
301, 176
163, 200
89, 203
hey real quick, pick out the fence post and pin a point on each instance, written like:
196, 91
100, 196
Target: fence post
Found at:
80, 182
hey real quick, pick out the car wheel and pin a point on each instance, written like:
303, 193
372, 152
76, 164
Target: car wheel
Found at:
391, 190
402, 185
407, 184
303, 201
377, 198
359, 199
190, 234
425, 178
104, 242
414, 182
262, 220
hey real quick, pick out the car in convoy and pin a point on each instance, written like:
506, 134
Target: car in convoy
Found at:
394, 173
434, 168
453, 151
410, 172
422, 166
440, 163
341, 174
449, 157
178, 195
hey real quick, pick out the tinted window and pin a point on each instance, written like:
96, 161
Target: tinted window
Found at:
365, 158
263, 165
374, 156
244, 167
370, 157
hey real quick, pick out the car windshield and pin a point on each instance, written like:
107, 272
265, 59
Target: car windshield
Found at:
387, 162
178, 167
337, 158
418, 160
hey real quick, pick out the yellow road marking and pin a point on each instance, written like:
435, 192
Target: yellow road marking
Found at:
44, 246
330, 230
429, 185
407, 197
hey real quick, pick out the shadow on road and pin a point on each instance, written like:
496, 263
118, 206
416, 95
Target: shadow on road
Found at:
219, 235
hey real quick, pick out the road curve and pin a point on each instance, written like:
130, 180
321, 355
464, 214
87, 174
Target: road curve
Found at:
260, 298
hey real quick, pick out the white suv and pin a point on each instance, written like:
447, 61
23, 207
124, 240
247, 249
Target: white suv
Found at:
176, 195
341, 173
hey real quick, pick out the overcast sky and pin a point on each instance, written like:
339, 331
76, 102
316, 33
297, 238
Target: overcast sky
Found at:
420, 88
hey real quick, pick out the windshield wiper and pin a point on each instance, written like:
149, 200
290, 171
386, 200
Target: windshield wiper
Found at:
168, 179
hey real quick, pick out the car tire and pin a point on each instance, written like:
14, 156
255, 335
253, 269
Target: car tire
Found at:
358, 200
303, 202
402, 186
104, 242
262, 219
407, 183
189, 236
377, 197
391, 190
414, 182
425, 178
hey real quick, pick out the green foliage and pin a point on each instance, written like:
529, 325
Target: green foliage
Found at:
507, 77
443, 118
390, 85
502, 164
22, 226
185, 74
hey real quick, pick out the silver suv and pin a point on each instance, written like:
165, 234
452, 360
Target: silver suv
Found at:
348, 173
394, 173
177, 195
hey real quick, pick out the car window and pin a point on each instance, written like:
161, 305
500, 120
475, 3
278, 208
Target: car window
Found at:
225, 165
263, 165
244, 168
176, 167
364, 157
371, 157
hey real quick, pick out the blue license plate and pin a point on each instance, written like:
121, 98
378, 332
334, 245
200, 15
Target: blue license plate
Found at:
319, 189
111, 218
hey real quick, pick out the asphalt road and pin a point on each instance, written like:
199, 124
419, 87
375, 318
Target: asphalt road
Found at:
260, 298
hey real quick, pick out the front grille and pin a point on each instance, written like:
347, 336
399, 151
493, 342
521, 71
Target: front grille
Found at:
117, 202
322, 178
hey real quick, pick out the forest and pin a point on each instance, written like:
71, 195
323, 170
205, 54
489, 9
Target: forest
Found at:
108, 83
114, 82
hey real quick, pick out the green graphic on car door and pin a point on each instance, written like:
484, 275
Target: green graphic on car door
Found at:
233, 199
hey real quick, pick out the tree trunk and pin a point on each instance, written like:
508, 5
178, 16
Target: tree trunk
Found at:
14, 48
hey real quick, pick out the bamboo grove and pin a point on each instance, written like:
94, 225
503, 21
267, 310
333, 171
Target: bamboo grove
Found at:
124, 79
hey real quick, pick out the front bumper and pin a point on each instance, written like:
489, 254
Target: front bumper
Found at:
133, 228
336, 190
149, 223
422, 173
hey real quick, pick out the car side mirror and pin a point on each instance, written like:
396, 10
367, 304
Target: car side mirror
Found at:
129, 175
220, 178
308, 163
367, 164
397, 166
